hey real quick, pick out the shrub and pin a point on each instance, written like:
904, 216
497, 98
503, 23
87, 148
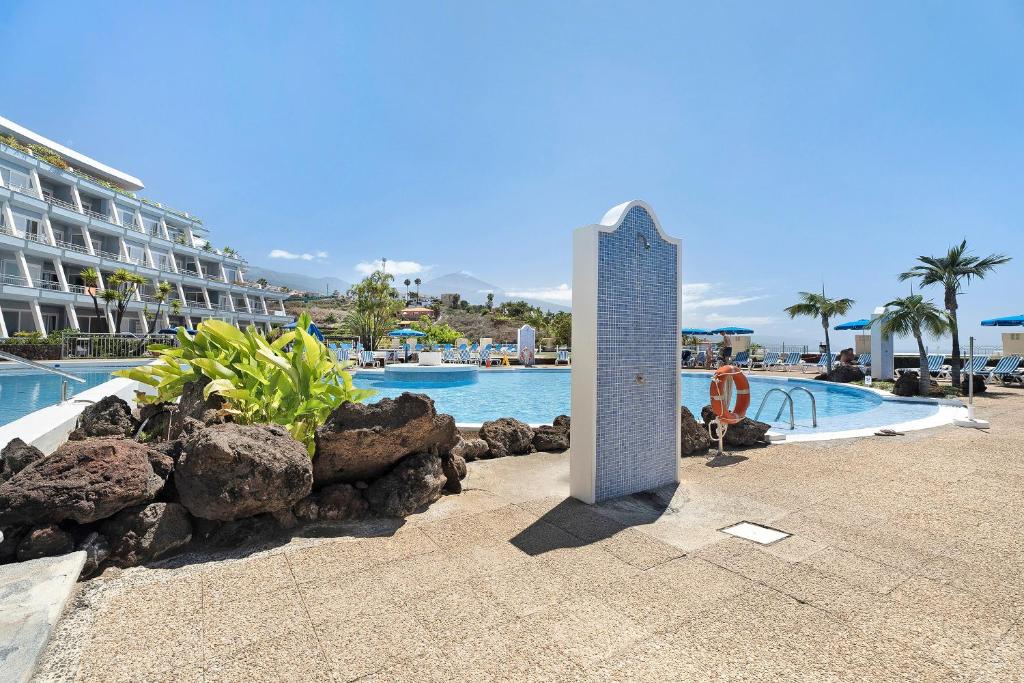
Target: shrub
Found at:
294, 381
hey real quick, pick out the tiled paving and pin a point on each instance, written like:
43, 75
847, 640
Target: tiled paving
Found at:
906, 563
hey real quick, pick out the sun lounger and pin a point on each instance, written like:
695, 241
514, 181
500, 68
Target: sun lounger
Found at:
824, 363
562, 356
770, 358
367, 358
742, 360
790, 360
1007, 370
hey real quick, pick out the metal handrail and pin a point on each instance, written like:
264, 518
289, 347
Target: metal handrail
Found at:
45, 368
814, 404
786, 397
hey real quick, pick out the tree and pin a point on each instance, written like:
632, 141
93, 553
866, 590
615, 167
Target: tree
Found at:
120, 291
330, 319
820, 306
163, 290
418, 283
91, 281
952, 272
910, 317
560, 327
490, 301
376, 307
262, 282
407, 283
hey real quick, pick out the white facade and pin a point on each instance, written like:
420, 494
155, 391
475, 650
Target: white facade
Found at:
54, 223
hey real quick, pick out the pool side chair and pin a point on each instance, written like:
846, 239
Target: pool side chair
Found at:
770, 359
1007, 370
464, 355
699, 359
791, 360
366, 357
977, 365
864, 362
448, 356
562, 356
742, 360
825, 363
684, 360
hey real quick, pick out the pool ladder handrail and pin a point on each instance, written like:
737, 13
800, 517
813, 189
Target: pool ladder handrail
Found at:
45, 368
786, 398
789, 398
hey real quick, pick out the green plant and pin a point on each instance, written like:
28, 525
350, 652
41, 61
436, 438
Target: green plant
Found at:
952, 271
294, 381
207, 247
820, 306
120, 290
911, 316
436, 333
163, 291
91, 281
376, 307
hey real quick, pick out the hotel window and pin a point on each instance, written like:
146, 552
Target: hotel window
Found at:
127, 216
136, 253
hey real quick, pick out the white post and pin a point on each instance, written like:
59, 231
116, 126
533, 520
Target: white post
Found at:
882, 356
626, 355
971, 422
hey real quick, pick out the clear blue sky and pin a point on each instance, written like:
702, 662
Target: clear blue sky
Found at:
785, 144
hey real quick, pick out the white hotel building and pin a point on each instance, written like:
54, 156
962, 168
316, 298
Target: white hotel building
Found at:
56, 222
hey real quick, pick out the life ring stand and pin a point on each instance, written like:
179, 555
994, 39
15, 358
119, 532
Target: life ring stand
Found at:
728, 381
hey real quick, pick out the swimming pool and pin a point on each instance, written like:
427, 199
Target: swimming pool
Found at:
25, 390
538, 396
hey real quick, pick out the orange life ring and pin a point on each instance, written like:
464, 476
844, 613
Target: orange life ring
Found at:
728, 380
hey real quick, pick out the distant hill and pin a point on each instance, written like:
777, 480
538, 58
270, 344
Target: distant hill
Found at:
474, 290
305, 283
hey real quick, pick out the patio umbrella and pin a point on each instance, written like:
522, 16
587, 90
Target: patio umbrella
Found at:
695, 331
406, 332
862, 324
1007, 321
312, 329
732, 330
174, 330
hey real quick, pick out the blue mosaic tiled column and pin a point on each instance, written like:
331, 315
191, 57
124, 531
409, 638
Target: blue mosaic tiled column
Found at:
625, 351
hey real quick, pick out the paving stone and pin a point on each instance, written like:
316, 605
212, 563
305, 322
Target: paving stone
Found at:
32, 598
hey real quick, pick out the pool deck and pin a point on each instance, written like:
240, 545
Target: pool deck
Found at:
906, 563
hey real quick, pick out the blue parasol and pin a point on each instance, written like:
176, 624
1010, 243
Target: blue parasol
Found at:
732, 330
695, 331
1007, 321
406, 332
862, 324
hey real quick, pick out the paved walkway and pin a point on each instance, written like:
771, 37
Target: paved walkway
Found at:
906, 562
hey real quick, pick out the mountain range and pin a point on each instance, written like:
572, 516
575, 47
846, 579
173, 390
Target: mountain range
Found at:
469, 287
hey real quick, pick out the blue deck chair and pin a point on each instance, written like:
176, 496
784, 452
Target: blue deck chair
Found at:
742, 359
824, 363
447, 355
770, 358
367, 358
699, 359
562, 356
864, 361
685, 358
977, 365
791, 360
464, 355
1006, 370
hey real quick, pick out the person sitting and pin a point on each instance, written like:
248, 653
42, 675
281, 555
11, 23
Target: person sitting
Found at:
847, 357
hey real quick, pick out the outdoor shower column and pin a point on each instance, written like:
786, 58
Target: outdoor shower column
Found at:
626, 349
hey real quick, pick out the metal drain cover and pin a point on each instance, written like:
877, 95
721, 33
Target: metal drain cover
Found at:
756, 533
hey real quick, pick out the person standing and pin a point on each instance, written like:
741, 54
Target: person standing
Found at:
725, 351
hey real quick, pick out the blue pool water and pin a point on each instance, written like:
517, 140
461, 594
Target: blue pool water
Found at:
533, 396
23, 391
538, 396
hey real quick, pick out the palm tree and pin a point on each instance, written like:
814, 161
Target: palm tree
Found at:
418, 283
912, 316
490, 301
91, 281
163, 290
120, 291
407, 283
952, 271
262, 282
820, 306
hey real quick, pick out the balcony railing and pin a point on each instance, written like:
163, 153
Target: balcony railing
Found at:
37, 237
72, 246
56, 201
82, 289
30, 191
109, 255
49, 284
97, 214
16, 280
89, 345
196, 303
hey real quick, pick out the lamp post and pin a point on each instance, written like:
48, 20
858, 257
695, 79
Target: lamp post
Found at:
971, 422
